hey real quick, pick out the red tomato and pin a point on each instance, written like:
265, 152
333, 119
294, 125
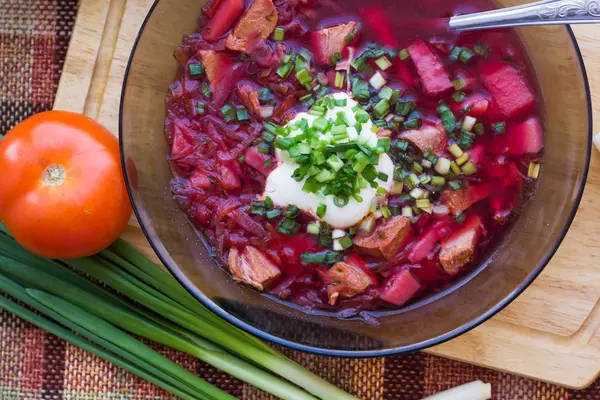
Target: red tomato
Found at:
63, 193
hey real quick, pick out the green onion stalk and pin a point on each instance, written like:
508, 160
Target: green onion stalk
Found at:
144, 363
176, 320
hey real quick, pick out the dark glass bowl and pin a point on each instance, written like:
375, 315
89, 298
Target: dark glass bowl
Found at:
515, 261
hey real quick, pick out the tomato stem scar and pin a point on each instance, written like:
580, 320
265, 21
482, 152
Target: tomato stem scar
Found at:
54, 175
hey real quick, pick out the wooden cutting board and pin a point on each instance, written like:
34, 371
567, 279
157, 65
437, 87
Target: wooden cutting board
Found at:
551, 332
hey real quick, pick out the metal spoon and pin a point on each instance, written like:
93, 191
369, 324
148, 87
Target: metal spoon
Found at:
545, 12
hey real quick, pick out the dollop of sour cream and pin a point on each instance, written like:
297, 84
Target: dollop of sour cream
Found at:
286, 191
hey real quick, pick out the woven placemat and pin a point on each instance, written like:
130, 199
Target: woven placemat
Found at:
34, 36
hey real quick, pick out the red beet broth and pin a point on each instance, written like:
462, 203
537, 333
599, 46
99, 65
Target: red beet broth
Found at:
220, 167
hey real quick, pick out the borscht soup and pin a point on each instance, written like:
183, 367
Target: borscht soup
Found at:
350, 155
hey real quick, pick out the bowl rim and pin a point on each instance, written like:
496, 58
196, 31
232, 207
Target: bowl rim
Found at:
196, 293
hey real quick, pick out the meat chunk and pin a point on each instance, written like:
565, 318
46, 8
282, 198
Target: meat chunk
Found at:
223, 14
430, 69
511, 94
329, 41
252, 267
400, 288
249, 97
458, 249
257, 23
428, 138
386, 239
346, 280
459, 200
215, 64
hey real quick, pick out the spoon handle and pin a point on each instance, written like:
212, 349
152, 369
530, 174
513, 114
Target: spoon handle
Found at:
545, 12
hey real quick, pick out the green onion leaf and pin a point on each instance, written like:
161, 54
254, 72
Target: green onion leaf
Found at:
196, 70
278, 34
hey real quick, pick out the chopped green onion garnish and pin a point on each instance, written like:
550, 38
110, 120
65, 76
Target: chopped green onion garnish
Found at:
278, 34
288, 227
284, 70
196, 70
360, 89
386, 93
322, 257
321, 210
228, 112
534, 170
465, 55
335, 58
460, 217
448, 117
459, 97
200, 108
383, 63
318, 110
241, 159
283, 143
423, 203
462, 159
404, 108
339, 79
206, 90
340, 102
350, 37
404, 54
377, 80
469, 169
273, 213
382, 108
417, 193
242, 114
264, 148
499, 128
268, 137
479, 128
442, 166
438, 181
414, 123
265, 95
292, 212
314, 228
459, 84
267, 163
345, 242
414, 179
257, 210
417, 167
454, 185
455, 168
303, 76
455, 52
455, 150
268, 202
340, 201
